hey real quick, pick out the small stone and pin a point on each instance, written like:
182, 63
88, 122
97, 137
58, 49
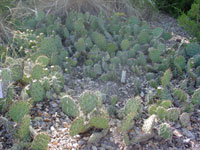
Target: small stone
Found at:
94, 148
188, 133
81, 142
54, 105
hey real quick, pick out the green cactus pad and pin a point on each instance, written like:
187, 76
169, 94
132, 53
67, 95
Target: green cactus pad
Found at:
161, 112
166, 104
99, 121
185, 119
143, 37
127, 123
18, 110
165, 80
152, 109
196, 97
133, 105
99, 40
43, 60
165, 131
180, 94
37, 91
77, 126
24, 131
125, 44
16, 72
69, 107
154, 55
88, 101
192, 49
40, 142
37, 72
80, 45
157, 32
173, 114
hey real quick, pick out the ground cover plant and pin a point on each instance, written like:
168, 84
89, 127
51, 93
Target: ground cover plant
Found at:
48, 49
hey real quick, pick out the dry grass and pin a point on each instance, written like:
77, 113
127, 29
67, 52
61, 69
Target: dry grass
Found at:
62, 7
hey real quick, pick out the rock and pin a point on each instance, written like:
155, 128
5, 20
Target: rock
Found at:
94, 148
188, 133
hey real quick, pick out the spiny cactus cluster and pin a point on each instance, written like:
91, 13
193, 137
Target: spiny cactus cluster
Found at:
89, 113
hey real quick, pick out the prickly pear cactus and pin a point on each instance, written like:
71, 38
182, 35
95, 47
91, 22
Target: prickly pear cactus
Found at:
166, 104
164, 131
40, 142
80, 45
196, 97
127, 123
152, 109
43, 60
180, 94
143, 37
77, 126
37, 91
165, 80
161, 112
125, 44
157, 32
18, 110
149, 124
100, 40
99, 120
69, 107
88, 101
16, 72
192, 49
37, 72
154, 55
133, 105
173, 114
24, 131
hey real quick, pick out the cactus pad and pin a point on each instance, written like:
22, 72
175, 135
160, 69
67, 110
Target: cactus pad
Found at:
196, 97
18, 110
37, 91
69, 107
165, 131
40, 142
77, 126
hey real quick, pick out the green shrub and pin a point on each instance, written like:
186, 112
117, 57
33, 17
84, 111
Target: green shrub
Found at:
191, 20
174, 7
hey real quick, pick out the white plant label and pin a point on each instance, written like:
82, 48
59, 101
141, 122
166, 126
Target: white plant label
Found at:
1, 92
123, 78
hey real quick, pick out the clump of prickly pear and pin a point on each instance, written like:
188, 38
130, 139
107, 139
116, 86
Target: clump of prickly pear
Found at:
97, 69
173, 114
42, 60
40, 142
165, 131
37, 91
196, 97
69, 107
88, 101
192, 49
18, 110
24, 131
179, 62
